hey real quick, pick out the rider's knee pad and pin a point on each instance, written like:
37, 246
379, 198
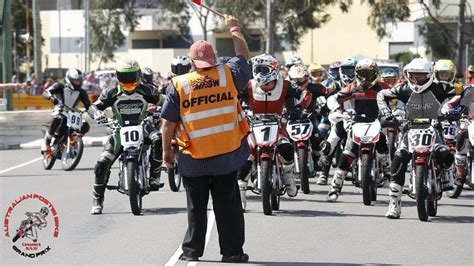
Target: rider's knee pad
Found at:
444, 157
85, 127
285, 149
102, 167
154, 136
345, 161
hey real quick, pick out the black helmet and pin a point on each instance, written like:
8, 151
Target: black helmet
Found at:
74, 78
147, 75
180, 65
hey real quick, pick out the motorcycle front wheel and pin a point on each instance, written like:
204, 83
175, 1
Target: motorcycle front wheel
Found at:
366, 179
72, 158
304, 171
275, 199
266, 186
49, 159
421, 195
134, 193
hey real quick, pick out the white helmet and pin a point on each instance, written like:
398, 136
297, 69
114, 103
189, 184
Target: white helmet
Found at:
366, 73
180, 65
74, 78
347, 71
294, 60
299, 75
264, 68
419, 74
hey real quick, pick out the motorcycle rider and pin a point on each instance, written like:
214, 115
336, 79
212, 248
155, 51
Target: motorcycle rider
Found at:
337, 132
316, 73
129, 101
418, 89
307, 102
269, 93
360, 97
69, 95
461, 104
389, 76
294, 60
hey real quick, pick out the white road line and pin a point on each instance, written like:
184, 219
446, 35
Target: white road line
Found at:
210, 223
20, 165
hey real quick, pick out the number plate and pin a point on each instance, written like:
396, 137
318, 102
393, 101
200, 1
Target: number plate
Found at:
449, 131
266, 133
74, 120
421, 139
131, 136
299, 130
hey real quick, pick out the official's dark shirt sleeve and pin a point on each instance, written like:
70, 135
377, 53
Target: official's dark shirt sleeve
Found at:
241, 72
170, 110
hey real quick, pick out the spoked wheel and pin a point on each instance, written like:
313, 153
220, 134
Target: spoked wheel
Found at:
134, 193
72, 158
174, 178
275, 199
366, 178
421, 195
49, 158
266, 187
304, 171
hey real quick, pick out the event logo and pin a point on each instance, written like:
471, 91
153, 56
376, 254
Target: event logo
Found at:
31, 223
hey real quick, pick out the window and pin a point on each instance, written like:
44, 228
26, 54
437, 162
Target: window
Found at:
175, 42
146, 44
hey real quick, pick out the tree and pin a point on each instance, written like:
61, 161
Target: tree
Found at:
21, 38
203, 15
404, 57
175, 15
291, 18
439, 36
107, 19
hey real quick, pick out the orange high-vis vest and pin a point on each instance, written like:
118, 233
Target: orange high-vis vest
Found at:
212, 121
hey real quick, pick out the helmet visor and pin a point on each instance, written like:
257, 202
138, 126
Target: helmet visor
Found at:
390, 80
76, 82
300, 81
348, 71
128, 77
367, 75
418, 78
260, 69
316, 74
444, 76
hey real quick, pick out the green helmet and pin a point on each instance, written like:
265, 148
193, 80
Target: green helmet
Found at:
128, 75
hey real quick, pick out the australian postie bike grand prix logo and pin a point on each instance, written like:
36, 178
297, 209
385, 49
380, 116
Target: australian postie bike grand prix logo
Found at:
31, 224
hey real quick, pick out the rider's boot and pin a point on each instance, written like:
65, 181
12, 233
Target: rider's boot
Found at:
395, 204
325, 167
289, 178
461, 171
317, 168
384, 162
155, 174
243, 193
98, 199
447, 179
336, 185
46, 145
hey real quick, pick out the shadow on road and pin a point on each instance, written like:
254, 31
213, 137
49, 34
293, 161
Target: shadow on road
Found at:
453, 219
163, 211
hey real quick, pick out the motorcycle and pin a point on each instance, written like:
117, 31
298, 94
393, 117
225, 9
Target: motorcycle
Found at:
465, 127
264, 129
426, 180
367, 171
393, 133
133, 165
68, 147
174, 177
300, 131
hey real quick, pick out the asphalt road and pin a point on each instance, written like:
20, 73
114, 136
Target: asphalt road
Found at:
307, 230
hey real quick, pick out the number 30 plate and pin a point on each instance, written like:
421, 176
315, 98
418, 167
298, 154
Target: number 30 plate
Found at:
131, 136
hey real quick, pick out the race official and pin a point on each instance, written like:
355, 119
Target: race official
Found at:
202, 112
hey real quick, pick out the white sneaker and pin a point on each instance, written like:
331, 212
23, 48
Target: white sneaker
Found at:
291, 188
333, 194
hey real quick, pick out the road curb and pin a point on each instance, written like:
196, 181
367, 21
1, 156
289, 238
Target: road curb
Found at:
36, 144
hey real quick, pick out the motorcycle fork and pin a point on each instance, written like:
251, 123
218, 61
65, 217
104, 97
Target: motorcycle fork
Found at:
297, 145
366, 149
